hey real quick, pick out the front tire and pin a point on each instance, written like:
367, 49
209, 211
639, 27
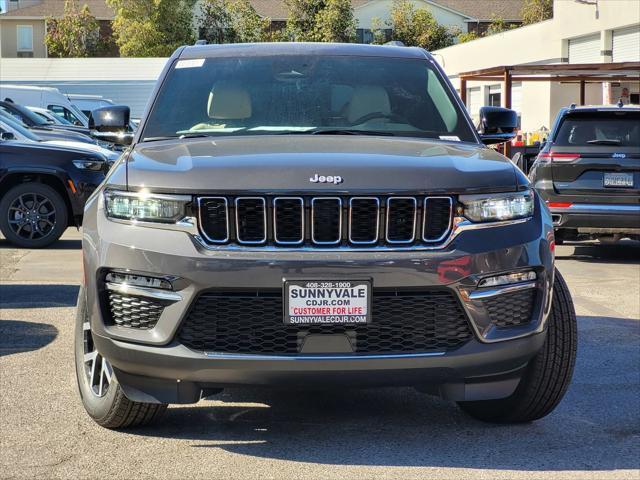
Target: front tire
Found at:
33, 215
547, 375
101, 394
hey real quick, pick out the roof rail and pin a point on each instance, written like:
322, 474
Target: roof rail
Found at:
200, 42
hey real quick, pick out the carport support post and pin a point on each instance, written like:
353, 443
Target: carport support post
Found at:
507, 84
582, 92
463, 90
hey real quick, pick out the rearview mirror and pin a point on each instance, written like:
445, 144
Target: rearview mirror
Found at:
497, 125
7, 136
110, 124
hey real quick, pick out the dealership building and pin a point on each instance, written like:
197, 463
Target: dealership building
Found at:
580, 32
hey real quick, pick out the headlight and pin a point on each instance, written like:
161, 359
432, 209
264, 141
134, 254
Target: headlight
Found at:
94, 165
497, 206
145, 206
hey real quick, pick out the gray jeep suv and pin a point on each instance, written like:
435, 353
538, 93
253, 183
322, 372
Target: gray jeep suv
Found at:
317, 216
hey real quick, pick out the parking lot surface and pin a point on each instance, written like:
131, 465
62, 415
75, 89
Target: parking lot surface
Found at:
394, 434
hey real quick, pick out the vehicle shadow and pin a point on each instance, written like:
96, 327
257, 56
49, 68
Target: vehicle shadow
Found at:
63, 244
595, 427
38, 296
623, 252
17, 336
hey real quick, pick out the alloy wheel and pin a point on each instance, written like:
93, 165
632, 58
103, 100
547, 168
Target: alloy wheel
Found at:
97, 369
32, 216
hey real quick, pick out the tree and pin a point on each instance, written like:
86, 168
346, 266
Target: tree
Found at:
247, 25
467, 37
498, 25
418, 27
378, 31
335, 22
75, 34
301, 19
215, 22
152, 28
236, 21
320, 21
534, 11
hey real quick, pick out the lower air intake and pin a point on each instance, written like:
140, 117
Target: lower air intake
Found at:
252, 323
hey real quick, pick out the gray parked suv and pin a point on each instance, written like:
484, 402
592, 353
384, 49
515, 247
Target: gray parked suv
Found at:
317, 216
588, 173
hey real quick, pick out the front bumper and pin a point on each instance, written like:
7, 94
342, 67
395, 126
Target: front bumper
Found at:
152, 366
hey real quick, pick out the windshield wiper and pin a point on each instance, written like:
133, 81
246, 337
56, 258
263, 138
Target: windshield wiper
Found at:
604, 141
193, 135
171, 137
337, 131
157, 139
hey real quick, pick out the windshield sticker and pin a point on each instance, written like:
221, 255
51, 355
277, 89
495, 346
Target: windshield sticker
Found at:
450, 138
192, 63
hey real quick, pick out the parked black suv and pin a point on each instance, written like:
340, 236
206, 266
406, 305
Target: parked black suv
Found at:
588, 172
43, 188
318, 215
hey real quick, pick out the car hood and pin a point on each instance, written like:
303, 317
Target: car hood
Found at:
108, 154
287, 163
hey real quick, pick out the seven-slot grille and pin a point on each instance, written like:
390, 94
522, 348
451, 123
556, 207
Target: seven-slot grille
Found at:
357, 221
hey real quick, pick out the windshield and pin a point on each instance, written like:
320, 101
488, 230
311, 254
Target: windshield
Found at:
306, 94
24, 115
18, 130
600, 128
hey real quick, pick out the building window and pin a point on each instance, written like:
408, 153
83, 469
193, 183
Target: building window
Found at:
25, 38
494, 97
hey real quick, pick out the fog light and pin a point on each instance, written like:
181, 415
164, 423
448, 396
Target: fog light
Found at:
507, 279
138, 280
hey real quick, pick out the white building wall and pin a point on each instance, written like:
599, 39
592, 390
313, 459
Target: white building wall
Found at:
542, 43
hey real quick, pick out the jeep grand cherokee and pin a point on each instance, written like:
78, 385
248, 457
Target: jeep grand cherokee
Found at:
588, 172
318, 216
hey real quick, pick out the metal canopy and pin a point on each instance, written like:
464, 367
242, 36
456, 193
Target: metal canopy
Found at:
588, 72
581, 73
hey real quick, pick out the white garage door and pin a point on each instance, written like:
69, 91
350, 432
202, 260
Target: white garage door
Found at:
516, 97
474, 101
626, 44
585, 49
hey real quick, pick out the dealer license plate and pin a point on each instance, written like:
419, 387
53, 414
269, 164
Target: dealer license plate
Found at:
326, 302
618, 179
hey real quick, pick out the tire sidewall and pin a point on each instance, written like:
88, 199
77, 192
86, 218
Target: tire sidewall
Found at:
97, 407
62, 217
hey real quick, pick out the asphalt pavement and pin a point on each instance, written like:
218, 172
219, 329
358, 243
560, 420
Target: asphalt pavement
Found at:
360, 434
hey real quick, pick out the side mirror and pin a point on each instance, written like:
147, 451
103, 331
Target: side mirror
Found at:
7, 136
497, 125
110, 124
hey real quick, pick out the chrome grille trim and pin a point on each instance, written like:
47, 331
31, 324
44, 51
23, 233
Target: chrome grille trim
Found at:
275, 221
264, 221
313, 238
388, 216
354, 224
226, 209
361, 242
424, 219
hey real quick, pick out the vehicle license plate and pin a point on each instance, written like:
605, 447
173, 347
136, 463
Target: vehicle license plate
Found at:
618, 180
326, 302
